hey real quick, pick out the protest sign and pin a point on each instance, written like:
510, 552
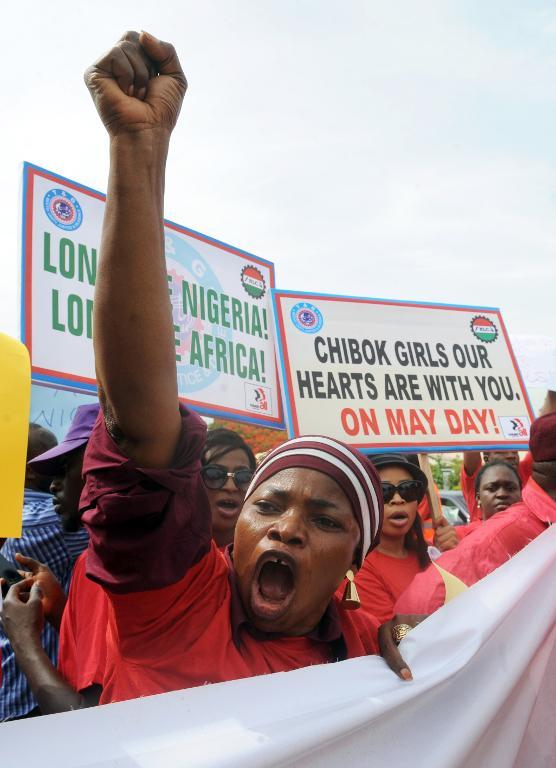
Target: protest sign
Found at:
14, 418
384, 375
54, 408
220, 297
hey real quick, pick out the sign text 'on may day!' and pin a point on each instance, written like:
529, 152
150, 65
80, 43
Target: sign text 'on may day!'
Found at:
394, 375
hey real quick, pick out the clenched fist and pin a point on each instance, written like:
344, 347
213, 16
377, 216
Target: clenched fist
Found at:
138, 85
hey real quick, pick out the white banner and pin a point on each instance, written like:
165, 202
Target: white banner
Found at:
483, 696
399, 375
220, 297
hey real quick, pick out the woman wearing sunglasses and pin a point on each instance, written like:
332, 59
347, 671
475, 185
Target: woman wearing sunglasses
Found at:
228, 467
402, 551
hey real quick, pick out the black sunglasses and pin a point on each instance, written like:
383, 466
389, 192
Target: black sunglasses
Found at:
409, 490
215, 476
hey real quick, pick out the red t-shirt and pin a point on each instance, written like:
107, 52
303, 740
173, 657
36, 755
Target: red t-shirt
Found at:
176, 620
468, 485
488, 547
82, 654
382, 579
184, 635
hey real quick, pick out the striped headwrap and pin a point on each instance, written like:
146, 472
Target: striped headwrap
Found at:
353, 472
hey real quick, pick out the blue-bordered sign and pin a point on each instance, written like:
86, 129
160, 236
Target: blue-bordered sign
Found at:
306, 317
63, 209
225, 354
387, 375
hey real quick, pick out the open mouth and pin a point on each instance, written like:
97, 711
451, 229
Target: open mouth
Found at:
398, 519
274, 585
228, 508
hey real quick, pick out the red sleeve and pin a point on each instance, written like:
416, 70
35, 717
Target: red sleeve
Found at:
370, 638
475, 557
464, 530
147, 527
526, 467
173, 617
468, 490
425, 594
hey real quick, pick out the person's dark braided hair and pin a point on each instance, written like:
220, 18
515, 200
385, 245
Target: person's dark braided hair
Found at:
221, 441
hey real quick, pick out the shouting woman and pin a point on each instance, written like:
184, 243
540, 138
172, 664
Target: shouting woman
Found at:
183, 613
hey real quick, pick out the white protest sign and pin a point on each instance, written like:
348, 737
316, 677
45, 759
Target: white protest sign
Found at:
220, 297
385, 375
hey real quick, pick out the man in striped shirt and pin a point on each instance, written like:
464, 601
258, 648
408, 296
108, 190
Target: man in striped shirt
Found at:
44, 539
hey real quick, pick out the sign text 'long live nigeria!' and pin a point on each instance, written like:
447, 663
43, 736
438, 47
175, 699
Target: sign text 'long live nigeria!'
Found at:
220, 300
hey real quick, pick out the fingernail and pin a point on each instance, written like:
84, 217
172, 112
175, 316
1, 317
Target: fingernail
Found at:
130, 91
141, 93
149, 36
406, 674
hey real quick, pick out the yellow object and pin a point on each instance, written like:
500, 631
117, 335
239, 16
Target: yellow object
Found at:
15, 398
350, 599
452, 584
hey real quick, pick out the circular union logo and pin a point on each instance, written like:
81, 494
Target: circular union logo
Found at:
484, 329
253, 281
63, 209
306, 317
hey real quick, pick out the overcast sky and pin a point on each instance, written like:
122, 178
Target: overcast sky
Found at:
401, 150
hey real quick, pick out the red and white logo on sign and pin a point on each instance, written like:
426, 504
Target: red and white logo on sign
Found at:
257, 398
516, 427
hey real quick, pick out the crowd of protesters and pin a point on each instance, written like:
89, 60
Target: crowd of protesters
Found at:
157, 557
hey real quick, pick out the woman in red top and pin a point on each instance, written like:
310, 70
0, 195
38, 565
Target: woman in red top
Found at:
402, 551
497, 486
182, 613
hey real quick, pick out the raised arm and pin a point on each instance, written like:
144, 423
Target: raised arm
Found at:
472, 461
137, 88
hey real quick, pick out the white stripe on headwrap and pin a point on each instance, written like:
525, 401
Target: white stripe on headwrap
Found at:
335, 462
340, 447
